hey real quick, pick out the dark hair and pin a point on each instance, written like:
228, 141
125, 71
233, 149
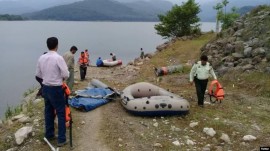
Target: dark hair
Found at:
204, 58
73, 48
110, 53
141, 48
99, 57
82, 52
52, 43
86, 50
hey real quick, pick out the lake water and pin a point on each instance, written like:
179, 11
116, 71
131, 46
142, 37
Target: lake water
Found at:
22, 42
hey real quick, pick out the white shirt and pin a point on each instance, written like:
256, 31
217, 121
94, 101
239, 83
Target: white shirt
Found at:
52, 68
202, 72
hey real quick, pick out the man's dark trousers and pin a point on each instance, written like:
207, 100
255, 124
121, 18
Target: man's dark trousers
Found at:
200, 89
54, 100
83, 70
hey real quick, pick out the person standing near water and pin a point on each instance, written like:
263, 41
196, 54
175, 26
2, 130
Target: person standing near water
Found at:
52, 68
142, 54
83, 65
69, 59
113, 56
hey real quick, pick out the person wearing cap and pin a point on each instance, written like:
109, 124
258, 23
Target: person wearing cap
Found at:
69, 59
199, 74
99, 62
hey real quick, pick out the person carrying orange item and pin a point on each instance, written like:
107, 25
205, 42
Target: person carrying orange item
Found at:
199, 75
83, 61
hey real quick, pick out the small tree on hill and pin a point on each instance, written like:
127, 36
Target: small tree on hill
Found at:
179, 21
225, 18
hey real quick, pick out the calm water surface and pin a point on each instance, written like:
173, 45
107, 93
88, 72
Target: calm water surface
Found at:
21, 43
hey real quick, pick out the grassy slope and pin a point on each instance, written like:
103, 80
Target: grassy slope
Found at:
241, 113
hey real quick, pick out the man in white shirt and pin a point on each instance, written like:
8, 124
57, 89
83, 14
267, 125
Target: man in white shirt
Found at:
52, 68
200, 73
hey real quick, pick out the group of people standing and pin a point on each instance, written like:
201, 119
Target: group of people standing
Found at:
53, 69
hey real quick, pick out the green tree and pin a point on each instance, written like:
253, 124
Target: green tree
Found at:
225, 18
225, 3
179, 21
218, 7
228, 19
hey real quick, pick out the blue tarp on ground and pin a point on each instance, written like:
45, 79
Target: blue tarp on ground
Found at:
91, 98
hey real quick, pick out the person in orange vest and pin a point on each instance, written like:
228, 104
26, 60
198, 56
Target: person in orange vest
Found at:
87, 55
83, 61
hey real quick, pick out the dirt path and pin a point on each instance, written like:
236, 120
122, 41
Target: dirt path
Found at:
87, 125
88, 134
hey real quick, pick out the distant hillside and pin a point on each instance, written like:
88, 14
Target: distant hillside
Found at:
95, 10
209, 14
245, 9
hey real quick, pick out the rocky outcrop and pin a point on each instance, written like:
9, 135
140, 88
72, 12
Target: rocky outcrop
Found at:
245, 45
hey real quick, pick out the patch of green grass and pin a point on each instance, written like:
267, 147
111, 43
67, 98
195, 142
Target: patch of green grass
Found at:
29, 91
11, 111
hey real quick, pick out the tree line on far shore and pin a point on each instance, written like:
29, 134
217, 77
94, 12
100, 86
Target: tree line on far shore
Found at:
10, 17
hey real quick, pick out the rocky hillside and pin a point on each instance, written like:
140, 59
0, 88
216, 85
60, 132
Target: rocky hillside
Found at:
245, 46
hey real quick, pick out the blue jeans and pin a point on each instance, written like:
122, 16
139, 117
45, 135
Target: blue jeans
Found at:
54, 100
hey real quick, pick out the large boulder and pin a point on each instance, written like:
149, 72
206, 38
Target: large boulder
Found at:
229, 49
238, 33
237, 56
247, 51
258, 52
248, 67
22, 133
239, 46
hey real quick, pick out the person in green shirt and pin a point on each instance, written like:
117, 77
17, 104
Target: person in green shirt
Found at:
69, 59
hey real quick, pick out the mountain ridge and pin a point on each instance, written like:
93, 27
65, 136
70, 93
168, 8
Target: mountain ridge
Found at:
99, 10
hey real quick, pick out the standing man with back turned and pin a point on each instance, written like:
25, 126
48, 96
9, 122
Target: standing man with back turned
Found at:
200, 73
51, 67
69, 58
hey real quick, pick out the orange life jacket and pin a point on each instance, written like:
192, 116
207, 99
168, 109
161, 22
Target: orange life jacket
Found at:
67, 108
219, 92
83, 60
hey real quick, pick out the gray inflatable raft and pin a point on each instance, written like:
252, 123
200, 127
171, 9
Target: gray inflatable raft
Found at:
147, 99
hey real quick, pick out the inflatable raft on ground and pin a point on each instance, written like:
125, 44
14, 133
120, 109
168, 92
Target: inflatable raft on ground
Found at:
110, 63
95, 95
147, 99
168, 70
